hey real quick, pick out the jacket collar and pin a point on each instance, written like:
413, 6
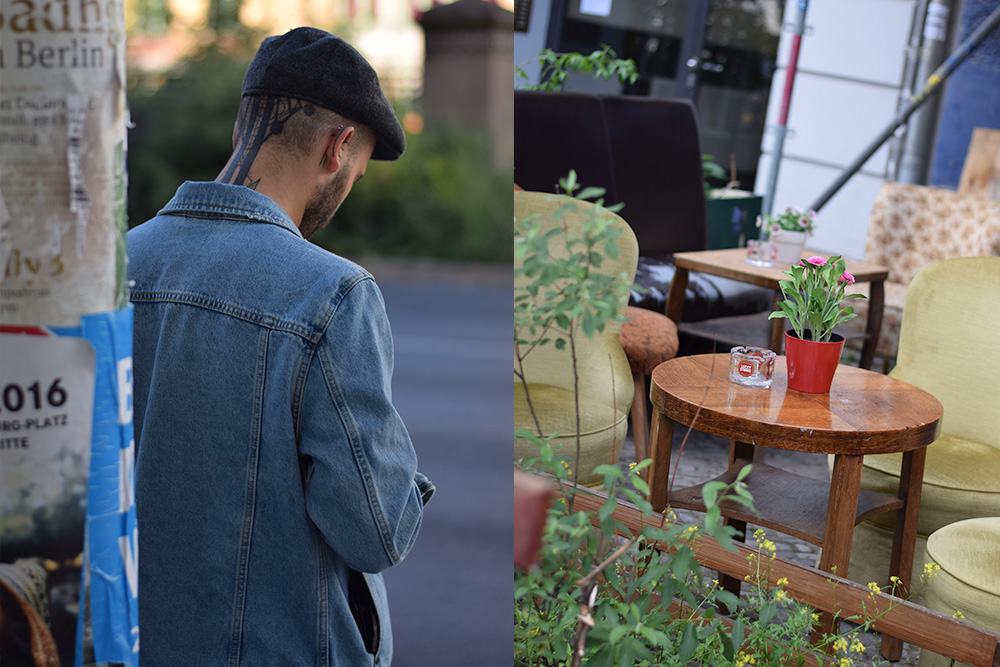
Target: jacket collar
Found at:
211, 199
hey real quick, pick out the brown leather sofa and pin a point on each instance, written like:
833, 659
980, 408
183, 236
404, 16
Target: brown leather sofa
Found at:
645, 153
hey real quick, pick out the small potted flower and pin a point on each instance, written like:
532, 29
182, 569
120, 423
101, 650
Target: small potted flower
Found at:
814, 295
787, 232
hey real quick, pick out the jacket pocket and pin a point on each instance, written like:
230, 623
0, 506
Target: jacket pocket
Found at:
365, 613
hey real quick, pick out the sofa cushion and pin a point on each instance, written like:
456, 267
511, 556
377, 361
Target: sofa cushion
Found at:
707, 297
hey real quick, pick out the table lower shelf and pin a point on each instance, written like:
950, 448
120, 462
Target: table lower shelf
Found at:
753, 330
787, 502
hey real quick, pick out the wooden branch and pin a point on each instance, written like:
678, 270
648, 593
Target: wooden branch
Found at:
826, 592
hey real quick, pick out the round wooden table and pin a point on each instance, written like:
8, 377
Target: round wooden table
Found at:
864, 413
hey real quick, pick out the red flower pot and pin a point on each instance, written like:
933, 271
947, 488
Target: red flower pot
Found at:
811, 364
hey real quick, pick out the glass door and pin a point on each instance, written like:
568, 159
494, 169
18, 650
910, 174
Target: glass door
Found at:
720, 54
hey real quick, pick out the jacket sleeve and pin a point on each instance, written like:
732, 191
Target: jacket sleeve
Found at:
363, 492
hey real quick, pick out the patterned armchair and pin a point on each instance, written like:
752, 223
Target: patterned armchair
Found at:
913, 226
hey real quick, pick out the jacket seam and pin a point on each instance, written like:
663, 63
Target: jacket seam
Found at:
243, 562
268, 321
323, 611
350, 428
299, 392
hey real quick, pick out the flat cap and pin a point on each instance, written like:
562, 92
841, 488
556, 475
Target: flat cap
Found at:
312, 65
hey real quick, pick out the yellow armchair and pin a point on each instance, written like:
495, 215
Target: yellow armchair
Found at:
604, 379
948, 346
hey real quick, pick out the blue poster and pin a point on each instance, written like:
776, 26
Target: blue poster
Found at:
111, 536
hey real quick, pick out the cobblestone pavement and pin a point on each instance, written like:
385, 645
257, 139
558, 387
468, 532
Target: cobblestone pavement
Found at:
705, 456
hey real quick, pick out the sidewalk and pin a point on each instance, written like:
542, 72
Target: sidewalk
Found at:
430, 271
706, 456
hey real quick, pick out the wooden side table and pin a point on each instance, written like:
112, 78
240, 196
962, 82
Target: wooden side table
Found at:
731, 263
864, 413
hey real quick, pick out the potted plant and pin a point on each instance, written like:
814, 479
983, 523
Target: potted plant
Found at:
730, 211
814, 295
788, 232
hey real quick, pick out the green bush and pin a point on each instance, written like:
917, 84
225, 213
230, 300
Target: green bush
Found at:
182, 130
442, 199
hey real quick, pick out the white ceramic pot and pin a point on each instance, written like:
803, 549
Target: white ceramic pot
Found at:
789, 246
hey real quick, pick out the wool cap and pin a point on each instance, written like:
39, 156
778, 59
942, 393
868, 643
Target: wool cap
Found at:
312, 65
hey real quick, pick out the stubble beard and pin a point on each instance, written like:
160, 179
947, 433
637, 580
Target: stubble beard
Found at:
323, 205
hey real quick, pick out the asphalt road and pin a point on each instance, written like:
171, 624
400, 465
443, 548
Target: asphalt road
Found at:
451, 599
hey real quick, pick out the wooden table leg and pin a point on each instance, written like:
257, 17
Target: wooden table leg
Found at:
904, 537
845, 485
737, 450
640, 427
876, 305
776, 341
675, 298
661, 437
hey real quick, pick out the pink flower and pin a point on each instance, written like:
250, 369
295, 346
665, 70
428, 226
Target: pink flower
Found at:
847, 278
816, 260
803, 222
775, 228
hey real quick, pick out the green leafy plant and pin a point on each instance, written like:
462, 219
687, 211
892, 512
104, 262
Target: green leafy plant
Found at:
567, 294
711, 170
603, 63
605, 592
814, 293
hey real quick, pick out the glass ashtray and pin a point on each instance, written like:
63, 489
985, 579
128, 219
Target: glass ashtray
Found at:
751, 366
761, 253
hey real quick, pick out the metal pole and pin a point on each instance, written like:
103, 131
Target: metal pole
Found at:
909, 84
913, 167
786, 103
930, 87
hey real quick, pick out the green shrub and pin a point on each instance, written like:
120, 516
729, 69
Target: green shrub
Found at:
183, 130
443, 199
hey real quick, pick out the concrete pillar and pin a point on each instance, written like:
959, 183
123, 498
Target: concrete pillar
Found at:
468, 70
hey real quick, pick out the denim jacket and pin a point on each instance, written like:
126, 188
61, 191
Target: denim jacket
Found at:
274, 478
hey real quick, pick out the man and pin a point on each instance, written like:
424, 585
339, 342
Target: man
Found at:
274, 479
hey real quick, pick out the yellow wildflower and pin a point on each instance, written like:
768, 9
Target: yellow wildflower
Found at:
815, 618
873, 587
631, 466
845, 662
857, 646
958, 614
894, 580
840, 644
930, 569
783, 581
780, 596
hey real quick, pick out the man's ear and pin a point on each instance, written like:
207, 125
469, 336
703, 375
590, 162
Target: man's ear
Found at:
336, 149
